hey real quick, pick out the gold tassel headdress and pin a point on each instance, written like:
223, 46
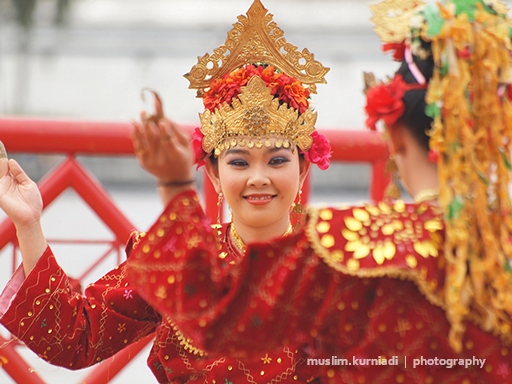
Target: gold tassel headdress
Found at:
253, 88
469, 100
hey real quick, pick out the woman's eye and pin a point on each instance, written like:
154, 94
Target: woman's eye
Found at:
278, 160
238, 163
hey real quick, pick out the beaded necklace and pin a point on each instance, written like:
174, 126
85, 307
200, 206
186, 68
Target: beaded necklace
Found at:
239, 244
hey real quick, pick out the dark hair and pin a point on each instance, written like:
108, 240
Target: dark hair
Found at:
414, 117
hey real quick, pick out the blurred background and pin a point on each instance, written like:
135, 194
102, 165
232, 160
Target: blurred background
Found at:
90, 59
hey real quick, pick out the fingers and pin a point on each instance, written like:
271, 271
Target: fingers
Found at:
182, 137
159, 110
18, 173
137, 139
165, 130
4, 167
3, 152
146, 135
156, 131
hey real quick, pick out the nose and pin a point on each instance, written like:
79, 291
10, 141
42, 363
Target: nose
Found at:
258, 178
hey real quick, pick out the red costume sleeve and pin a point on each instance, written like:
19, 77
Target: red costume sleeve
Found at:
72, 330
358, 287
179, 251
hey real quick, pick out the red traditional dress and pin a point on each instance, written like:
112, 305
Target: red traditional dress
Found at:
74, 331
360, 291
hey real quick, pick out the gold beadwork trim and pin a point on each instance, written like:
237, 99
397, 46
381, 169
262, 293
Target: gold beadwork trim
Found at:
426, 195
186, 343
239, 243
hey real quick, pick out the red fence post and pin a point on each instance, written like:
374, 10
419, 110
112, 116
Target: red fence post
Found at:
14, 364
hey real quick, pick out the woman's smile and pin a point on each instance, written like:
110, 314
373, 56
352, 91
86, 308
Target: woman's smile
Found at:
259, 199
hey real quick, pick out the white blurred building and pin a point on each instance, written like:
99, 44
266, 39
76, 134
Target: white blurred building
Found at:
96, 66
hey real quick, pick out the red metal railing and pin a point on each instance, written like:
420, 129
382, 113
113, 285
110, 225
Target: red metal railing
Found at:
74, 138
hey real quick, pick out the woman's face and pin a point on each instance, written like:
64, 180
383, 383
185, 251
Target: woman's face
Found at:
259, 184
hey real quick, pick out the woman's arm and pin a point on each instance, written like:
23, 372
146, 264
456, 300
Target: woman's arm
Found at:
21, 201
70, 329
38, 305
165, 152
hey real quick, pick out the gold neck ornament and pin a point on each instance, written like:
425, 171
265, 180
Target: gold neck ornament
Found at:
426, 195
239, 243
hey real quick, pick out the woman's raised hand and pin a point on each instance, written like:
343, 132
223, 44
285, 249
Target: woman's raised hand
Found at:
21, 200
162, 148
19, 195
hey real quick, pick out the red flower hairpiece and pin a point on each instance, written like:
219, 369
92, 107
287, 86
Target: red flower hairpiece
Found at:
288, 89
397, 48
385, 101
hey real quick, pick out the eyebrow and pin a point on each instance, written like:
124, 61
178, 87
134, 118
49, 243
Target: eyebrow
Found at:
237, 151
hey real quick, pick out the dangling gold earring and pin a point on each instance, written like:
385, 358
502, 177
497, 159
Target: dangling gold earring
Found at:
297, 213
218, 225
392, 191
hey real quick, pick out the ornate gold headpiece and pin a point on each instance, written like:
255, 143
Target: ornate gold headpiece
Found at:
256, 113
253, 112
255, 39
392, 19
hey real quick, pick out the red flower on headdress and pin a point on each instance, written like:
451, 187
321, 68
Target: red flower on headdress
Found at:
320, 151
295, 95
197, 146
271, 78
384, 102
288, 89
222, 90
397, 48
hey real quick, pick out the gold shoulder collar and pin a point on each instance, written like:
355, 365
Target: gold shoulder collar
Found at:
395, 240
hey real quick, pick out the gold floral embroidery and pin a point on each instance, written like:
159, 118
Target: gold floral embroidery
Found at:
388, 228
393, 221
326, 214
327, 241
323, 227
361, 214
266, 359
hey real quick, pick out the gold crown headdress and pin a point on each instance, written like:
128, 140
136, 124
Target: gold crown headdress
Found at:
469, 98
253, 114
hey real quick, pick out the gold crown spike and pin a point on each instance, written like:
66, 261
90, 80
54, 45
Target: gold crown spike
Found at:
256, 38
253, 118
392, 19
